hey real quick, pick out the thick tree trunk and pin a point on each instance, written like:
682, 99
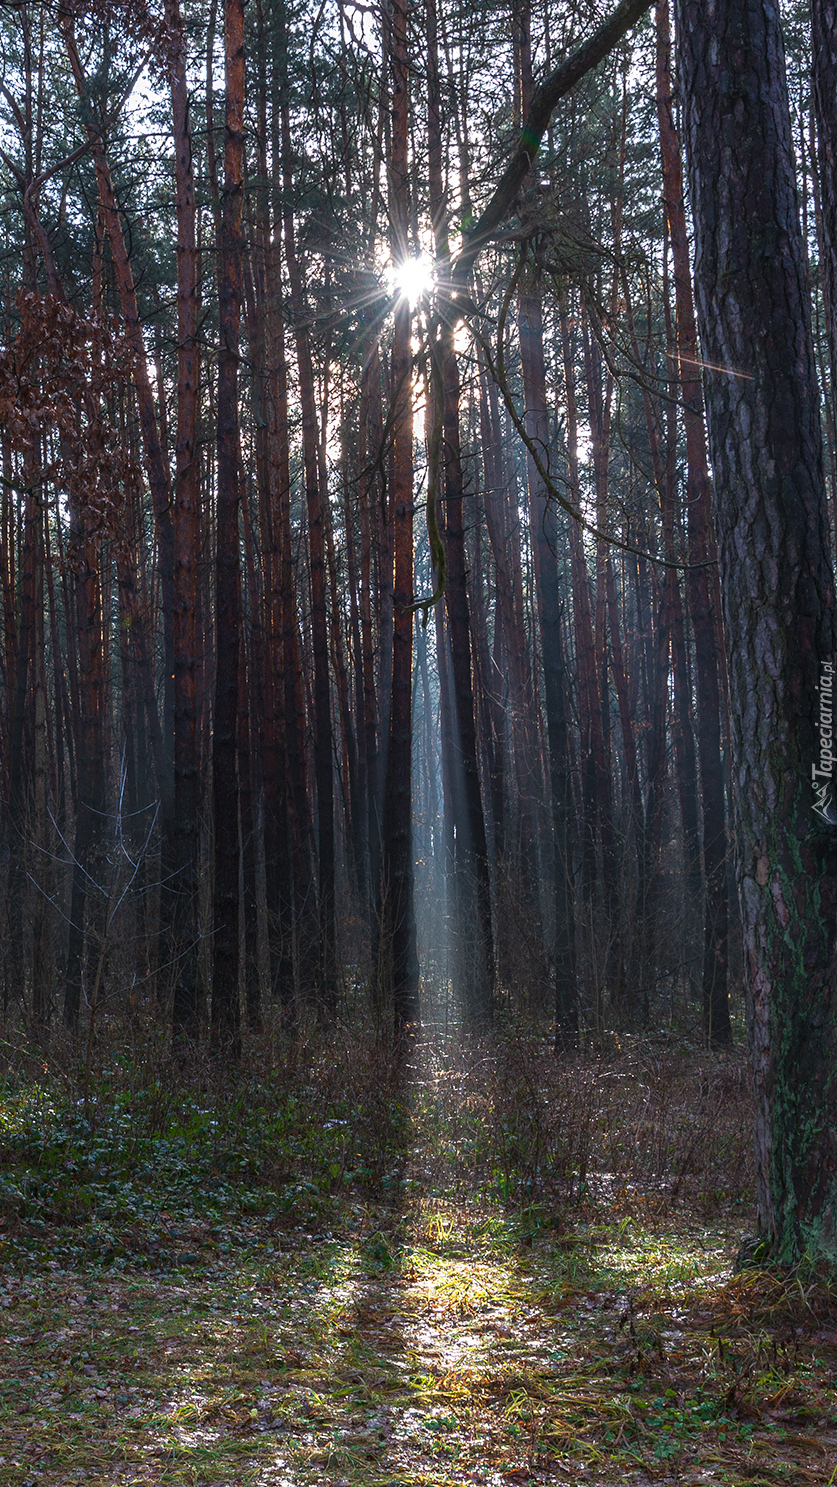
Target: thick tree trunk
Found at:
762, 404
824, 81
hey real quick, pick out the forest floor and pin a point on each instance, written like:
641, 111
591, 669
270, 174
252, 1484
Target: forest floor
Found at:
175, 1308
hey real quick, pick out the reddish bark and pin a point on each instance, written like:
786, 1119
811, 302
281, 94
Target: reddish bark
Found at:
315, 498
225, 1022
186, 522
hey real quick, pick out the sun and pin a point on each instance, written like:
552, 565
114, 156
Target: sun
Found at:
412, 278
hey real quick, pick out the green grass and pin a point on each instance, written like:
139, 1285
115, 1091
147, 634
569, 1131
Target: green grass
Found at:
286, 1284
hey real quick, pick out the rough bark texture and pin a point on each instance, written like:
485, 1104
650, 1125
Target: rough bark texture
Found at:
824, 87
762, 408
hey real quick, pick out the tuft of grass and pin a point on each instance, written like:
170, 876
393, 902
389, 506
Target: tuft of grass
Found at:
351, 1271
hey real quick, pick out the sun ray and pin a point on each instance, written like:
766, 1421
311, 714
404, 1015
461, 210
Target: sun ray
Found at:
412, 278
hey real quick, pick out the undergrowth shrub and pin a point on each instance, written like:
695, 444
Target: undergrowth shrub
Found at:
346, 1118
671, 1124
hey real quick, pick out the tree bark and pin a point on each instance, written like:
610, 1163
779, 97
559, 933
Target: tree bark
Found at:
824, 88
762, 404
472, 884
226, 1013
701, 579
92, 799
186, 520
543, 527
398, 959
315, 498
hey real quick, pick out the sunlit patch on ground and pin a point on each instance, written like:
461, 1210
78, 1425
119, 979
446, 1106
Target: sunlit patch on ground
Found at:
612, 1355
341, 1286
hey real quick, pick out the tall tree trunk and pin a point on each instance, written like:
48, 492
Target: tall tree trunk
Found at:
702, 549
183, 852
226, 1012
472, 885
519, 919
489, 696
90, 813
824, 89
595, 782
246, 752
315, 498
43, 870
599, 401
20, 711
398, 959
371, 495
544, 531
683, 734
361, 819
292, 918
348, 746
762, 404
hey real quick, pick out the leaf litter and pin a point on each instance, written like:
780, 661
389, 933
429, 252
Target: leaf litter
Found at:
428, 1334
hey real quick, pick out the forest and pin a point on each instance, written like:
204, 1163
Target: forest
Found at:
418, 832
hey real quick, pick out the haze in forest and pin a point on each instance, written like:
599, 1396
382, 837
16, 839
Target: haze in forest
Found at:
424, 655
